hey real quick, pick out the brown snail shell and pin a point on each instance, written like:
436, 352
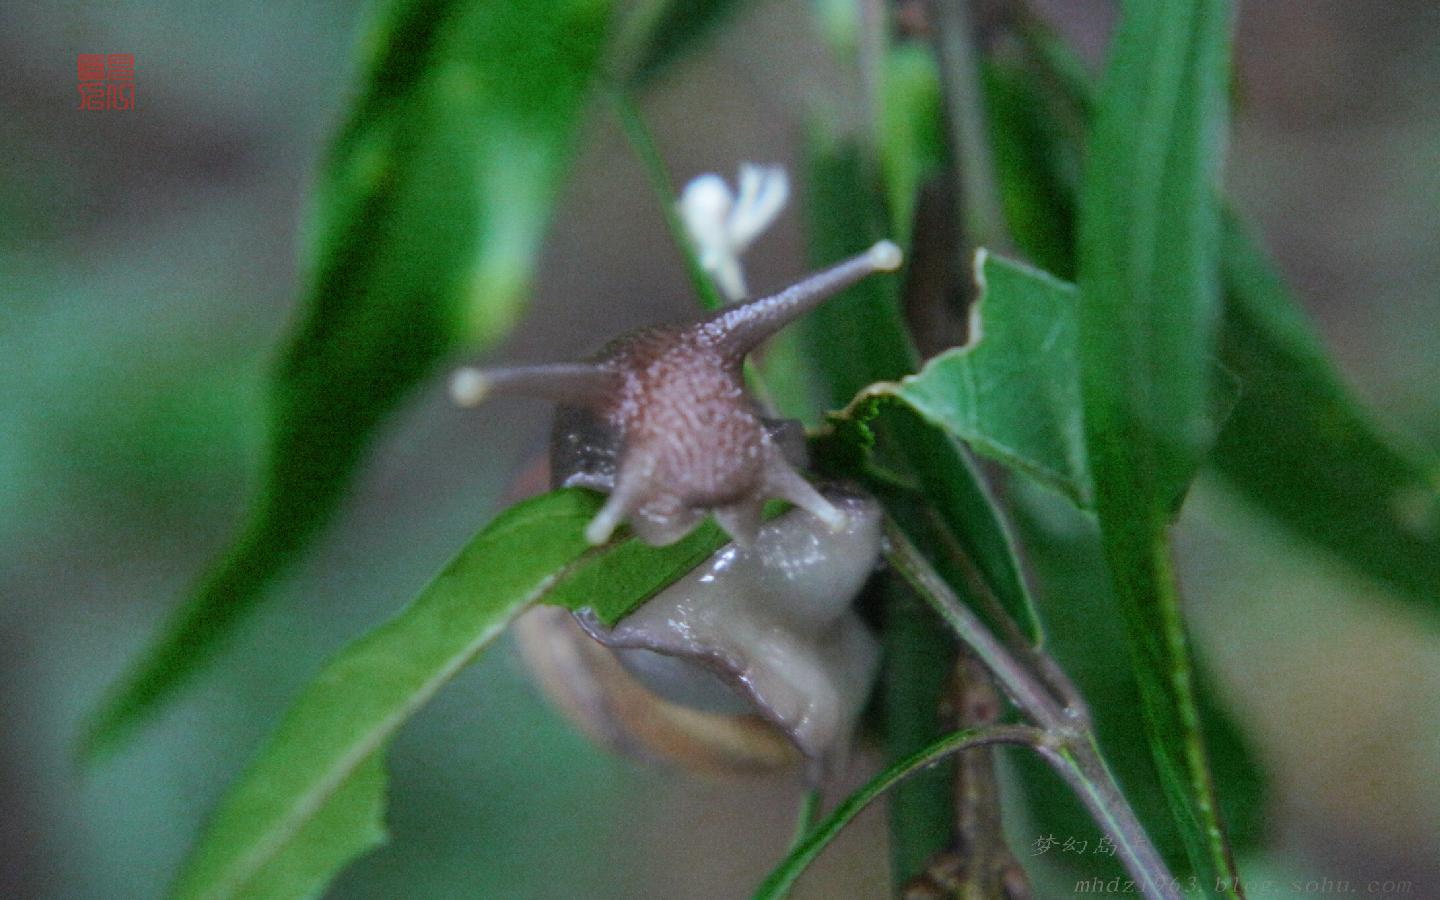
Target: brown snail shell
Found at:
752, 661
587, 683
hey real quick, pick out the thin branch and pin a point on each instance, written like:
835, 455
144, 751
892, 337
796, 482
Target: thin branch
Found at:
810, 803
1068, 743
781, 880
983, 865
966, 120
1028, 693
643, 143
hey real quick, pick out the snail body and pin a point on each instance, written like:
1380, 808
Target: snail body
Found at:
755, 658
660, 418
751, 661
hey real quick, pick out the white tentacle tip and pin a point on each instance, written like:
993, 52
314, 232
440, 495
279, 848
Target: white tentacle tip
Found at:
835, 520
598, 532
468, 387
886, 256
605, 522
828, 513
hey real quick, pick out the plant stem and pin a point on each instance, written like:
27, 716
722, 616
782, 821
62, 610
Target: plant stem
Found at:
1067, 743
643, 143
810, 803
981, 863
919, 657
784, 876
965, 117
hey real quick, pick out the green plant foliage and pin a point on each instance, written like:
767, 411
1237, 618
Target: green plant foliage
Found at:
1035, 165
1149, 263
314, 797
1297, 444
910, 134
1076, 601
860, 338
424, 230
784, 876
1300, 447
921, 475
1011, 392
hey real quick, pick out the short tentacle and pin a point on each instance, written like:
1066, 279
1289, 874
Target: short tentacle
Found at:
741, 521
580, 383
739, 329
625, 498
787, 484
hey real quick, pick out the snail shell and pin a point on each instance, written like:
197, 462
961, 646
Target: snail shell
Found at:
752, 661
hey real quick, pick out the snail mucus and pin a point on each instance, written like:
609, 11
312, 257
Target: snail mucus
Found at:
755, 659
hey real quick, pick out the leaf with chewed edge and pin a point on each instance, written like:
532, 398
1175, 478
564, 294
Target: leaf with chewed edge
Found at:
1012, 391
1298, 444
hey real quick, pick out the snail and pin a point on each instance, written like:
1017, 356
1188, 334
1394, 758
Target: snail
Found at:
756, 658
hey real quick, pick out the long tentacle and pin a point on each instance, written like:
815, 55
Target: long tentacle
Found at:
565, 382
739, 329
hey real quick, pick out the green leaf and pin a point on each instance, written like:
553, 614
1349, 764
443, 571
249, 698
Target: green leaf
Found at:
1298, 444
422, 238
1149, 262
1078, 606
1012, 392
912, 141
860, 338
1300, 447
856, 339
643, 143
1034, 165
313, 798
915, 700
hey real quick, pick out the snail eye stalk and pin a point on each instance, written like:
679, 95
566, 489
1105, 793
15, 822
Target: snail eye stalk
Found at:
669, 430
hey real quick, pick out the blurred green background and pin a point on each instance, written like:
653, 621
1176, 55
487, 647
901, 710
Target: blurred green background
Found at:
147, 271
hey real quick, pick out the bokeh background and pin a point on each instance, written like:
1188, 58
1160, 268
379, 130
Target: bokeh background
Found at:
147, 271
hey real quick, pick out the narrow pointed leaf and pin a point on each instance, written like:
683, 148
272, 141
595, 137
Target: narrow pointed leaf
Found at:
778, 884
1300, 447
424, 229
1148, 274
313, 799
1298, 444
1078, 606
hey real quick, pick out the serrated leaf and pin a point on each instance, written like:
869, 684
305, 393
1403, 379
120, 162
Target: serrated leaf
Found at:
313, 798
1148, 275
426, 222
